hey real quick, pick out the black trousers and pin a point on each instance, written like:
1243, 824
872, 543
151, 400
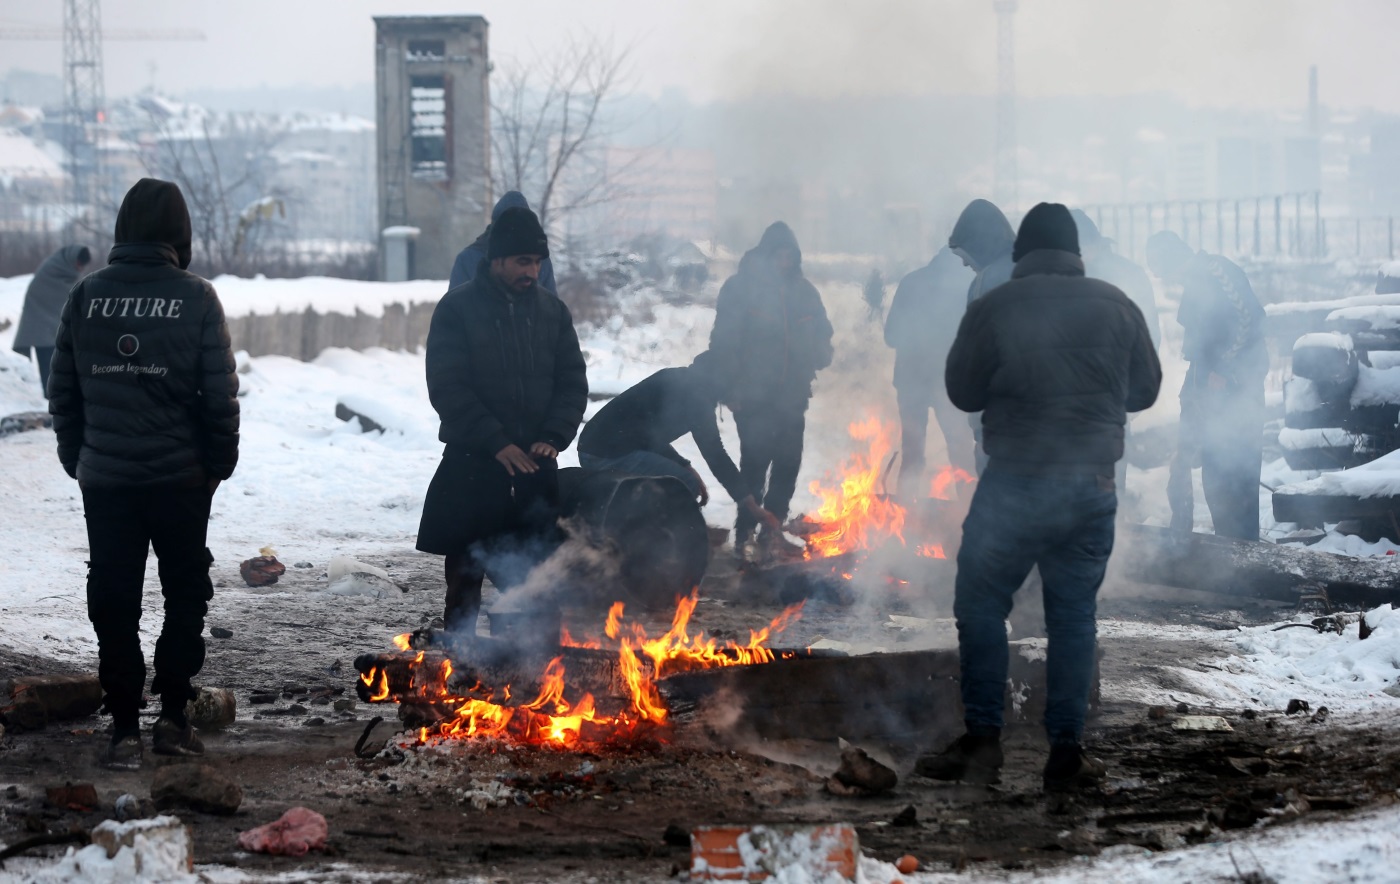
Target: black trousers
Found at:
123, 523
1222, 432
914, 405
770, 455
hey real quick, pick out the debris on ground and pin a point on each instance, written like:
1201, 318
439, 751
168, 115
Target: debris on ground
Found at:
298, 831
859, 774
1209, 723
212, 709
754, 853
132, 807
72, 796
29, 703
196, 786
261, 570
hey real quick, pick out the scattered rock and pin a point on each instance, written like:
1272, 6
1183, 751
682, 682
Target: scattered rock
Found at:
320, 701
297, 709
259, 699
1393, 690
1208, 723
220, 632
303, 565
908, 864
25, 421
294, 689
1320, 715
130, 807
1249, 714
344, 705
163, 845
261, 570
314, 722
1157, 713
1295, 706
906, 818
861, 773
11, 792
1182, 708
214, 709
32, 701
1365, 629
196, 786
72, 796
676, 836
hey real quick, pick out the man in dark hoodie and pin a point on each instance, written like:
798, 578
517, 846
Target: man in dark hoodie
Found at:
43, 303
1222, 401
145, 408
928, 305
1055, 362
508, 380
771, 337
470, 258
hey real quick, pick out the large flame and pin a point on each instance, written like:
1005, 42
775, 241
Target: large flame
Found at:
551, 718
856, 515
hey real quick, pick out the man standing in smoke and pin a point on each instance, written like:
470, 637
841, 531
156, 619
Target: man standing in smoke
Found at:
771, 337
982, 238
508, 380
1102, 262
928, 305
144, 397
1054, 361
1222, 401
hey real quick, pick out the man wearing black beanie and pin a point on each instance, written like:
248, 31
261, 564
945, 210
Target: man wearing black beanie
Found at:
508, 380
1054, 362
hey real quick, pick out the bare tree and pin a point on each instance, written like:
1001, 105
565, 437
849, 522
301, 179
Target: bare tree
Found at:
224, 170
548, 126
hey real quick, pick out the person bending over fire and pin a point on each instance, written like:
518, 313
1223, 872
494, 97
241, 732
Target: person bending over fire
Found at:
1054, 362
633, 434
509, 383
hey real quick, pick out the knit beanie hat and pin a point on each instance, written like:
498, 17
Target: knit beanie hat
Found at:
1046, 226
516, 232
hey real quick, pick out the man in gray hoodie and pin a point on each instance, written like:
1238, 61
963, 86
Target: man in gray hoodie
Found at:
43, 303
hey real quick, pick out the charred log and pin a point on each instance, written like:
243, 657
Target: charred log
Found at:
1258, 570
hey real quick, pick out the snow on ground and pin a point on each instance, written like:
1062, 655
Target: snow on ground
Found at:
1377, 478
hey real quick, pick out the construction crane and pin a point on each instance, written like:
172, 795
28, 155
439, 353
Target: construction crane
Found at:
1006, 184
84, 92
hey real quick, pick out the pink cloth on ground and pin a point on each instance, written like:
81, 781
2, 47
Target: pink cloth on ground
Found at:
298, 831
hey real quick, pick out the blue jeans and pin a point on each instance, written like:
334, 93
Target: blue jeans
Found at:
642, 463
1064, 524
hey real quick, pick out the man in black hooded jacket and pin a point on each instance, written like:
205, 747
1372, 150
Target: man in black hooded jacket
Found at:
144, 403
771, 337
1054, 361
509, 382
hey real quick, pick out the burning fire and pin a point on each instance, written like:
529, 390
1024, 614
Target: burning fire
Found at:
855, 515
552, 719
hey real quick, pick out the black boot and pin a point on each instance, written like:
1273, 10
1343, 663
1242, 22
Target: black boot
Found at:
1069, 769
970, 759
462, 604
124, 752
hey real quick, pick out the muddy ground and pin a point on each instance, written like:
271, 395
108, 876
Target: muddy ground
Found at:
526, 814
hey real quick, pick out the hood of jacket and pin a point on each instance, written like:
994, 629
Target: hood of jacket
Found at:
511, 199
983, 232
154, 213
777, 237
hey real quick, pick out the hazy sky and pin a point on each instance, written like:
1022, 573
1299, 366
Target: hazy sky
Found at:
1218, 52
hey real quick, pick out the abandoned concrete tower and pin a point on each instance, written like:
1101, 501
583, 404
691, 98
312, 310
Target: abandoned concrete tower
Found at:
433, 115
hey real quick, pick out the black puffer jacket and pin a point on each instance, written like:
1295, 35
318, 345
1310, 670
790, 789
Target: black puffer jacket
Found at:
504, 368
1054, 361
144, 390
771, 334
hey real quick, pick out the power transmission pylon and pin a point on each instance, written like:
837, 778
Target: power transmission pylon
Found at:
1005, 183
83, 101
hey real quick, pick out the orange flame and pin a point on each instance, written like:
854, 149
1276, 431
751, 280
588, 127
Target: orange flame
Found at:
944, 481
854, 516
932, 551
551, 718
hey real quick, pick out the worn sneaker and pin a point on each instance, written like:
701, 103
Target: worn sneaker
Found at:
1069, 769
124, 752
169, 737
777, 549
969, 759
